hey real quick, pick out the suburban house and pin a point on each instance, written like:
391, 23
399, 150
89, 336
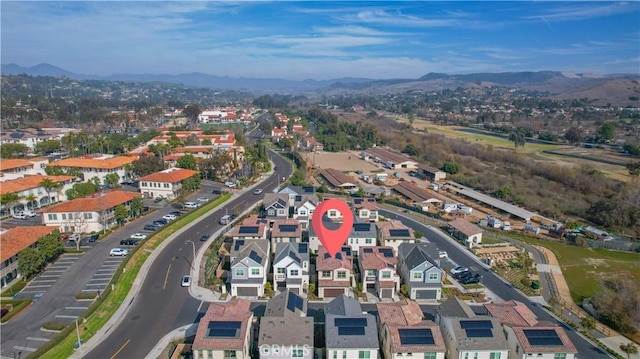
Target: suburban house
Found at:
337, 179
94, 213
362, 235
378, 271
250, 228
15, 168
404, 332
348, 332
466, 231
419, 271
468, 335
390, 159
285, 231
97, 166
303, 208
529, 337
165, 184
294, 191
366, 209
431, 173
392, 233
31, 194
335, 274
276, 205
249, 260
291, 267
12, 241
225, 331
285, 330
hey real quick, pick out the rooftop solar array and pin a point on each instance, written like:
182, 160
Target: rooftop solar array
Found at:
542, 337
350, 330
253, 255
346, 250
479, 333
338, 255
298, 198
367, 250
303, 247
399, 233
477, 328
386, 252
361, 227
412, 336
248, 229
295, 257
294, 302
239, 243
358, 200
223, 329
350, 326
288, 227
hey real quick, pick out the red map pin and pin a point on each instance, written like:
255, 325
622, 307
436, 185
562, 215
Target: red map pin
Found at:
332, 240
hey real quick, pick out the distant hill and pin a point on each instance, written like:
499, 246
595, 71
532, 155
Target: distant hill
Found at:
619, 90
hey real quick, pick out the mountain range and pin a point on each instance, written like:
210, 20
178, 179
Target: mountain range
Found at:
555, 82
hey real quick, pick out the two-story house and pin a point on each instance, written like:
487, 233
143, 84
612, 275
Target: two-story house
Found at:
419, 271
97, 166
285, 330
249, 267
225, 331
285, 231
378, 271
366, 209
165, 184
404, 332
529, 337
294, 191
303, 207
250, 228
468, 335
31, 194
12, 241
335, 274
393, 232
291, 267
349, 332
14, 168
276, 206
362, 234
87, 214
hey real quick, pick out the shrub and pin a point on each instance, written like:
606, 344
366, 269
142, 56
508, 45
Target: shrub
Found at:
16, 307
15, 288
57, 326
86, 295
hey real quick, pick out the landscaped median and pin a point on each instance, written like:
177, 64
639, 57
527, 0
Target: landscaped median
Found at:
99, 313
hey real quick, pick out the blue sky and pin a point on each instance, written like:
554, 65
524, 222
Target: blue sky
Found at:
322, 40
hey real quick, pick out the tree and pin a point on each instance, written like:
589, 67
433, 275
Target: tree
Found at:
191, 184
192, 140
112, 180
121, 213
629, 349
31, 198
8, 198
410, 149
450, 167
81, 189
206, 142
137, 206
49, 185
48, 146
13, 150
404, 289
573, 135
607, 131
187, 162
518, 138
31, 262
634, 169
146, 165
503, 192
588, 323
50, 246
191, 112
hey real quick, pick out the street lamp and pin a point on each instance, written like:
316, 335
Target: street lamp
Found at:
78, 333
193, 246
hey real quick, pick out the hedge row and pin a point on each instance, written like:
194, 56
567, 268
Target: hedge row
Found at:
17, 305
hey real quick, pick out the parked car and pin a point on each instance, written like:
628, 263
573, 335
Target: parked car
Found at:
161, 221
190, 205
93, 237
202, 199
459, 270
205, 238
176, 213
129, 242
151, 227
471, 279
138, 236
258, 191
169, 217
29, 213
119, 252
19, 215
217, 191
186, 281
230, 184
443, 254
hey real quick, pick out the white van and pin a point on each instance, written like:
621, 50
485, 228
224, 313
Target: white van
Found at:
225, 219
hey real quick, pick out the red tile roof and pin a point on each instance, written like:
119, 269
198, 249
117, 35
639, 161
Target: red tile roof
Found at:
89, 162
275, 229
234, 310
18, 238
465, 227
13, 164
566, 347
332, 263
386, 226
375, 259
93, 203
512, 313
171, 175
407, 314
29, 182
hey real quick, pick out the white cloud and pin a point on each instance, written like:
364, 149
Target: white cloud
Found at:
585, 11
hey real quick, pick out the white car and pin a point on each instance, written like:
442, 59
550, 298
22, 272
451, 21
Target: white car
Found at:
186, 281
459, 270
118, 252
190, 205
202, 199
169, 217
138, 236
230, 184
29, 213
443, 254
19, 215
257, 191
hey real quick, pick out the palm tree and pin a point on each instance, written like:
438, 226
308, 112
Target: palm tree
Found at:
8, 198
30, 199
49, 185
69, 143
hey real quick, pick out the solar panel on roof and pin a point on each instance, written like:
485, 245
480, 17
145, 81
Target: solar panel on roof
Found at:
367, 250
253, 255
294, 301
298, 198
542, 337
479, 333
248, 230
303, 247
222, 333
416, 336
357, 200
223, 329
294, 256
386, 252
288, 227
350, 330
338, 255
399, 233
346, 250
239, 243
476, 324
361, 227
226, 325
350, 322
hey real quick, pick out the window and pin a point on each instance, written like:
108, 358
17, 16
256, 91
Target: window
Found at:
466, 355
495, 355
386, 275
297, 353
333, 214
335, 354
255, 271
52, 217
280, 270
430, 355
560, 356
240, 272
417, 275
433, 276
342, 275
229, 353
326, 274
302, 212
271, 212
344, 354
88, 215
294, 272
475, 355
64, 216
368, 241
364, 354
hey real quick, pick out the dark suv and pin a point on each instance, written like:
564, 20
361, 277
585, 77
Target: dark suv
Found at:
471, 279
128, 242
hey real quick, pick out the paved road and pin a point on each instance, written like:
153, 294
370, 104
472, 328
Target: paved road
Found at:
495, 284
162, 304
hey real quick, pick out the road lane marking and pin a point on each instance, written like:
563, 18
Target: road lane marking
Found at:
166, 277
121, 348
40, 286
25, 349
39, 339
67, 316
200, 306
74, 308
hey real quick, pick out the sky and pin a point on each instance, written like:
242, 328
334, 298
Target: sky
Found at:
321, 39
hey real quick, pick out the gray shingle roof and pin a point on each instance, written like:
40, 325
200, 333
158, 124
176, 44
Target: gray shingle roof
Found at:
349, 308
414, 254
454, 307
282, 326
